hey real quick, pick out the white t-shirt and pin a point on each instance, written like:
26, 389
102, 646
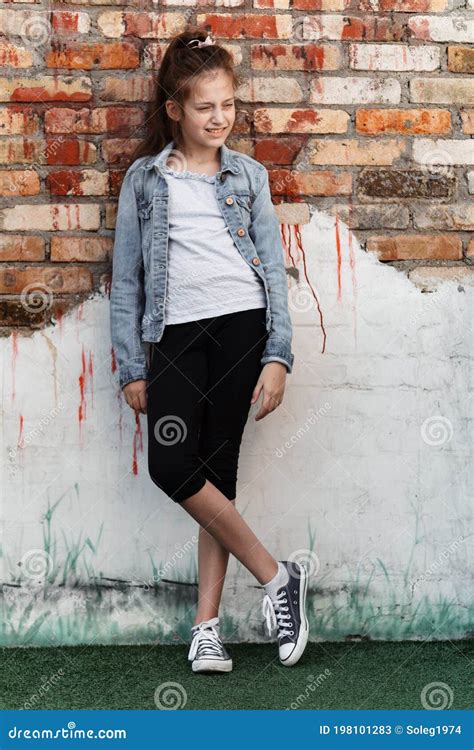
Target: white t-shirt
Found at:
207, 276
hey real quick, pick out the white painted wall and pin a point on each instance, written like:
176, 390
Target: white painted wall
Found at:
364, 471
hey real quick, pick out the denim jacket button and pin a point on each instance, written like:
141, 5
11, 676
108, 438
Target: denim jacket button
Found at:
229, 201
241, 232
256, 261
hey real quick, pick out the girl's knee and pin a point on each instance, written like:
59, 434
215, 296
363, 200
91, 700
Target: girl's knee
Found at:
176, 483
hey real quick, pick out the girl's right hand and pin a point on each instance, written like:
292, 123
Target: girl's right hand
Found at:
135, 395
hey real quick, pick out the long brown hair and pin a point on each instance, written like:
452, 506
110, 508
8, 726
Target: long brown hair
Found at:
177, 74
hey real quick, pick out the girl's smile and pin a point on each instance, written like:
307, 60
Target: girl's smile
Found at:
216, 132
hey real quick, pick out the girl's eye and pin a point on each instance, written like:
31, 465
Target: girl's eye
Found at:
205, 109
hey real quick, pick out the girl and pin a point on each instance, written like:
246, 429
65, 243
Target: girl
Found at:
198, 273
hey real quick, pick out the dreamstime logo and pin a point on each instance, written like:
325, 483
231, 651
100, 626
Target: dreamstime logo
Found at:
36, 565
280, 185
46, 684
36, 297
307, 558
170, 696
440, 560
177, 161
175, 292
300, 299
314, 683
36, 431
15, 184
170, 430
436, 430
36, 31
315, 417
436, 696
436, 161
298, 34
181, 551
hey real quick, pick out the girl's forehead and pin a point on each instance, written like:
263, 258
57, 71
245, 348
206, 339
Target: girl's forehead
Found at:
215, 86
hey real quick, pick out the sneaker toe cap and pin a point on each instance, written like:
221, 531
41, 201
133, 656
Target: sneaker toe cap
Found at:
285, 650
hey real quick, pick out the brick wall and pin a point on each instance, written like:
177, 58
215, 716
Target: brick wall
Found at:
364, 108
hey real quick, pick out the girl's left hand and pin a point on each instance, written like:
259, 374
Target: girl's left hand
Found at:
272, 380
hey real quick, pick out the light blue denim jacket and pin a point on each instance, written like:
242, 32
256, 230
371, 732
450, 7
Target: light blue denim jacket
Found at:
139, 271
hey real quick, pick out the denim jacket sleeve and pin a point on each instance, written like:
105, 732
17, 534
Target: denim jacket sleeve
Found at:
265, 234
127, 296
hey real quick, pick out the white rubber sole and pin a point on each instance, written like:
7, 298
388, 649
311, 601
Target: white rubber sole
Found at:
211, 665
297, 652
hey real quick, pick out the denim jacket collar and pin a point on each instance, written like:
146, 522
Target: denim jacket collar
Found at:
228, 162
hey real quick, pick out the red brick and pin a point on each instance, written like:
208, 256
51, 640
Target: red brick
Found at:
81, 249
94, 56
46, 88
68, 151
281, 151
118, 150
404, 121
295, 183
21, 247
18, 119
82, 182
467, 118
295, 57
416, 247
14, 280
461, 59
248, 26
108, 119
19, 182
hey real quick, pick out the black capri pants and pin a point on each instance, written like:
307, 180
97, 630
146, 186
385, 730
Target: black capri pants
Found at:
202, 375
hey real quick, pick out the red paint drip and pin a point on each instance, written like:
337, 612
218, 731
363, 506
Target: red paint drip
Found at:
14, 356
137, 437
287, 241
59, 317
113, 365
82, 387
108, 286
20, 434
91, 377
339, 258
303, 255
352, 263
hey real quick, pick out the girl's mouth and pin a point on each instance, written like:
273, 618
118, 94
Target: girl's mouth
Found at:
215, 131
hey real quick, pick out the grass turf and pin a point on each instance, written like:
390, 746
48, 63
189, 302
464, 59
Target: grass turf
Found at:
352, 675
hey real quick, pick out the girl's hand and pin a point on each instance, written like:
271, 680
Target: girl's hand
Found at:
272, 380
135, 395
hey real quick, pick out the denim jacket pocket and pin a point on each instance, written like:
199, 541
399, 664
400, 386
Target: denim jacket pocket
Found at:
245, 207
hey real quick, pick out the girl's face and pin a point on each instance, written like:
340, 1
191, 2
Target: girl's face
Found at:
209, 111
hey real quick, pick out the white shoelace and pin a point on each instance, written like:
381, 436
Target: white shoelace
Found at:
274, 613
208, 641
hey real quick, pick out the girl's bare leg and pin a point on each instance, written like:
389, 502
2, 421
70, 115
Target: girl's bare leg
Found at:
213, 511
212, 566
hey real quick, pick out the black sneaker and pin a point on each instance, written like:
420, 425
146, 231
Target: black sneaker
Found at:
207, 652
287, 613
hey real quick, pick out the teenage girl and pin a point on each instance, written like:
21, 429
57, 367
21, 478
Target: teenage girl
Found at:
187, 278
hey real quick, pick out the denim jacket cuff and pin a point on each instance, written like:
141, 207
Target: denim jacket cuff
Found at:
278, 351
133, 371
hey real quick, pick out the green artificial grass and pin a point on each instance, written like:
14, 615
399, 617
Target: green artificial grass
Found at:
334, 675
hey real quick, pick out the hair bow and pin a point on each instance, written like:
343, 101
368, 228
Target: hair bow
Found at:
206, 43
